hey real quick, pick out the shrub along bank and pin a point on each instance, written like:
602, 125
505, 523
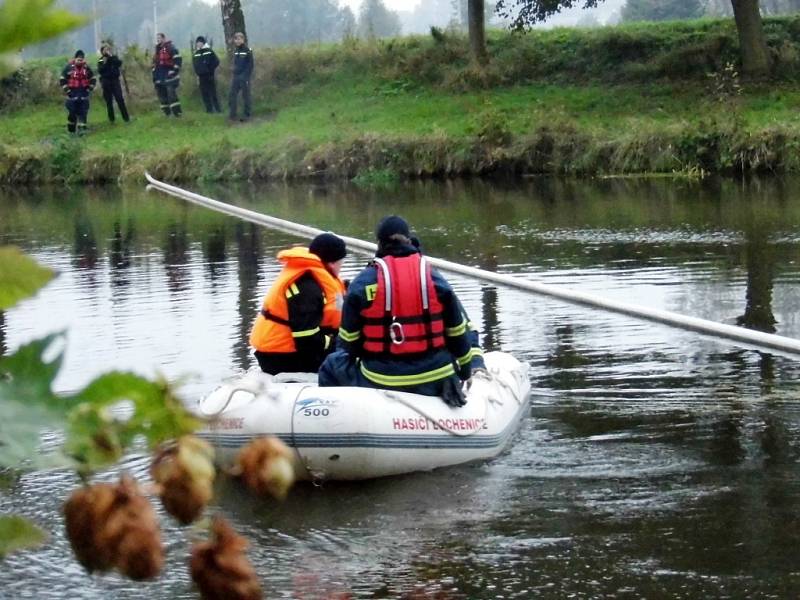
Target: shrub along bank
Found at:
645, 98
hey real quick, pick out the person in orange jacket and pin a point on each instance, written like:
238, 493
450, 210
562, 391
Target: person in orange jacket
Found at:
302, 311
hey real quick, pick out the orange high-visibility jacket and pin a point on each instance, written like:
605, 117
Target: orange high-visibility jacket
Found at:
271, 331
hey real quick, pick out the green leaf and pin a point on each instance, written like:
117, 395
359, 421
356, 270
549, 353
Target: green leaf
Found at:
26, 377
27, 403
26, 22
95, 439
17, 533
20, 275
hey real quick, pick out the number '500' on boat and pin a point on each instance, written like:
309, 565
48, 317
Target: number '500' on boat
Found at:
344, 433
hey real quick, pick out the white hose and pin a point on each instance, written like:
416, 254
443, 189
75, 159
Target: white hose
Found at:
755, 339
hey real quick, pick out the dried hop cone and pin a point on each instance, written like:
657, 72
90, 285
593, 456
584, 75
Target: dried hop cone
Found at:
265, 464
185, 474
220, 568
112, 526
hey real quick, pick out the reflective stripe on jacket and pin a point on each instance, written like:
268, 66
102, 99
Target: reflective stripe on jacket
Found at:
405, 316
271, 331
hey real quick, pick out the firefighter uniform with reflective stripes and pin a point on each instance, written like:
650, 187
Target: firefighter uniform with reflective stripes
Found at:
240, 83
205, 63
77, 81
403, 328
167, 64
299, 317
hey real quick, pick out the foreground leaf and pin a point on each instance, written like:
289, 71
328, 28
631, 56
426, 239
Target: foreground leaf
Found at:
20, 275
96, 438
28, 405
17, 533
26, 22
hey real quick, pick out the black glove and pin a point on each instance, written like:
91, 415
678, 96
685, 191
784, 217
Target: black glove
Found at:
452, 394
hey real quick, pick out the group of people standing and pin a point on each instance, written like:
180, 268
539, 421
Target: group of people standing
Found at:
398, 325
78, 81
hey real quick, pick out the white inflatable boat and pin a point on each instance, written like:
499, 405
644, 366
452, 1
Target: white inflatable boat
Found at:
342, 433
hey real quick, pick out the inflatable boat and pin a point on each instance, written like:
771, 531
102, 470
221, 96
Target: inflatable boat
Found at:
345, 433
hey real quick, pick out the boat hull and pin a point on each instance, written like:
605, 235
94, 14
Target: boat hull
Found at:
347, 433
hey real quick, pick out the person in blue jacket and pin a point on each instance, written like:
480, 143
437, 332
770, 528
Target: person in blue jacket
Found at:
205, 63
403, 327
242, 72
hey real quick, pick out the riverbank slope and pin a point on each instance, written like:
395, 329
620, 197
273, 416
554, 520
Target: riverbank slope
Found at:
645, 98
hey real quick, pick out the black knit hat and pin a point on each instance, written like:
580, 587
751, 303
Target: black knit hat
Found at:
80, 54
389, 226
328, 247
200, 38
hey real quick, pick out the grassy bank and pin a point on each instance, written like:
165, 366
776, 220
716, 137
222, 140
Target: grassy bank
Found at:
635, 99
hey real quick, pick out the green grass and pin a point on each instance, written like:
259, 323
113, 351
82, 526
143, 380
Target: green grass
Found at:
564, 100
338, 112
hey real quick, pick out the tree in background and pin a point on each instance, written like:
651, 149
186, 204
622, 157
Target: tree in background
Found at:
746, 13
232, 22
661, 10
476, 15
377, 21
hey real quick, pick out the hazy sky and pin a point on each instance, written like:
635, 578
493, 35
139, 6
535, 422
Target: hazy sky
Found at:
393, 4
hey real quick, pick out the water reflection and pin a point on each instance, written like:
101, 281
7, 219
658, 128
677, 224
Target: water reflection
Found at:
176, 256
215, 253
656, 463
119, 254
248, 243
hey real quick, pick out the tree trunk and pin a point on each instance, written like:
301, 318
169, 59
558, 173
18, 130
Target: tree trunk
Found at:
477, 31
232, 22
752, 44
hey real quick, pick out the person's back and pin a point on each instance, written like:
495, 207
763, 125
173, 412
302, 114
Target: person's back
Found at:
402, 325
302, 310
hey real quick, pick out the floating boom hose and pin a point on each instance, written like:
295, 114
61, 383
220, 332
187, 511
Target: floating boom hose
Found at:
755, 339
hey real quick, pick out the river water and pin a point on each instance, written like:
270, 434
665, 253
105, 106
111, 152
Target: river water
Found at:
654, 463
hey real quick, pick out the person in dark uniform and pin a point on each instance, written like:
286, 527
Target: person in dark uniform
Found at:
403, 327
242, 72
301, 312
205, 63
78, 82
167, 64
109, 68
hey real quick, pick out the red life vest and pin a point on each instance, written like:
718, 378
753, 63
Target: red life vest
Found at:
164, 56
78, 77
405, 316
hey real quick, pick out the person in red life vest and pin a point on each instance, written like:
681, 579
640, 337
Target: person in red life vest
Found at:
403, 327
302, 311
77, 81
167, 64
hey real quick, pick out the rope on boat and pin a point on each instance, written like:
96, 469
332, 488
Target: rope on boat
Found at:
755, 339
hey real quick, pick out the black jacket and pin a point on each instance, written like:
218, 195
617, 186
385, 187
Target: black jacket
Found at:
305, 308
205, 62
108, 67
242, 62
